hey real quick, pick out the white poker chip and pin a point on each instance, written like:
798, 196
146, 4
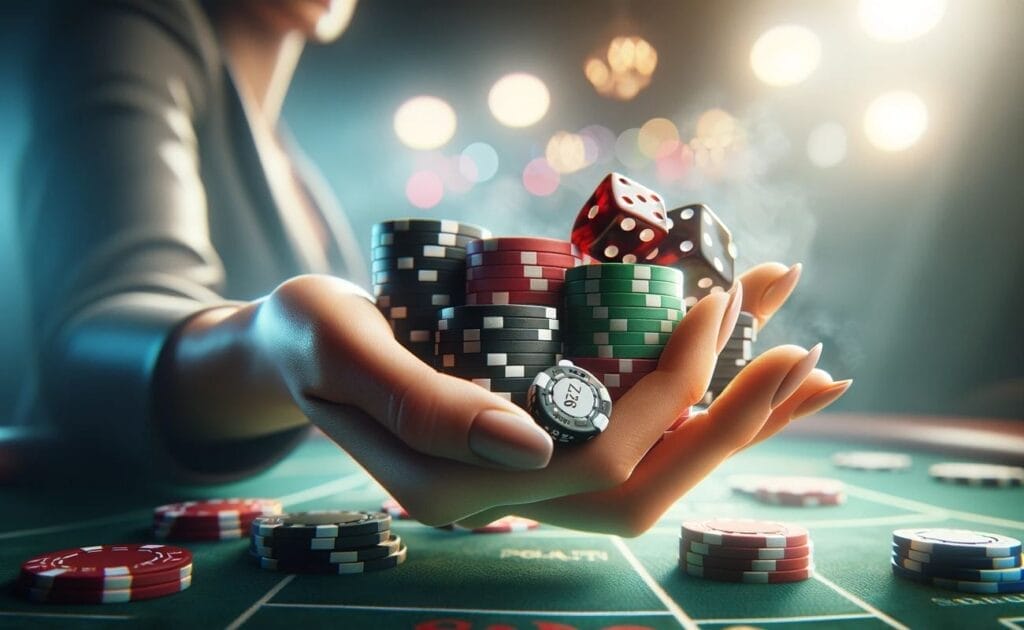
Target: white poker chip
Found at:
570, 403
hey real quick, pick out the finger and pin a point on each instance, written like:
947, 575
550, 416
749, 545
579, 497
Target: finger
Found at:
688, 454
768, 285
440, 415
816, 393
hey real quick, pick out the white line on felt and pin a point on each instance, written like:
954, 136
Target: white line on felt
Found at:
759, 620
86, 617
860, 603
325, 489
53, 529
684, 620
251, 610
910, 504
1009, 622
481, 611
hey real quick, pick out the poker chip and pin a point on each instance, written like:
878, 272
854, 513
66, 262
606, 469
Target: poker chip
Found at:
430, 225
535, 285
750, 577
645, 287
752, 553
621, 299
967, 562
389, 239
594, 327
210, 519
966, 473
741, 532
507, 525
433, 279
497, 334
321, 524
105, 596
178, 535
417, 251
872, 460
616, 366
413, 263
626, 271
963, 586
339, 543
570, 403
103, 568
957, 542
617, 338
493, 359
498, 372
518, 347
614, 352
435, 300
744, 484
522, 258
583, 315
800, 491
328, 556
464, 315
552, 298
959, 573
531, 244
341, 568
746, 564
515, 272
504, 384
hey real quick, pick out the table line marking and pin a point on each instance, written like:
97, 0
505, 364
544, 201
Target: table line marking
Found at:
54, 529
684, 620
479, 611
259, 603
1010, 622
753, 620
860, 603
910, 504
347, 482
85, 616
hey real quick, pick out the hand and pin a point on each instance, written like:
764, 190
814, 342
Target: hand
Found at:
621, 461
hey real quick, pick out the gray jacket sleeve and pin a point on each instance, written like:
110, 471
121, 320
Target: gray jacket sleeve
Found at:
115, 227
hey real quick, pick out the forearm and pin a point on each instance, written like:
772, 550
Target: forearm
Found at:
214, 384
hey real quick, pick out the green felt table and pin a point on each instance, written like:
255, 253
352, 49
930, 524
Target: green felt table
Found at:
546, 579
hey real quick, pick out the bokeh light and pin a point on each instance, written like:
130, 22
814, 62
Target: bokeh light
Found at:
566, 152
673, 162
539, 178
899, 20
785, 55
519, 100
482, 159
826, 145
627, 149
424, 122
599, 142
654, 133
424, 189
895, 120
624, 70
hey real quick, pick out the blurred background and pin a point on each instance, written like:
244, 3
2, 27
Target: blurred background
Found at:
880, 142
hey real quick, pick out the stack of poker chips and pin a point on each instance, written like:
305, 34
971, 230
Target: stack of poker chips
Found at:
419, 266
106, 574
500, 347
518, 270
333, 542
873, 460
210, 519
972, 474
790, 491
620, 311
745, 550
959, 560
738, 352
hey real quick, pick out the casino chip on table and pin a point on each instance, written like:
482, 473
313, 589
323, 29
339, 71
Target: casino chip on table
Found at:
965, 473
872, 460
790, 491
959, 560
331, 542
210, 519
745, 550
106, 574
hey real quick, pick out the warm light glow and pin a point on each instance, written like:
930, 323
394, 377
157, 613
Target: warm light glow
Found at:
539, 178
424, 189
519, 100
424, 122
654, 133
717, 129
479, 162
674, 161
630, 63
599, 142
785, 55
899, 20
826, 145
627, 149
598, 74
895, 121
566, 152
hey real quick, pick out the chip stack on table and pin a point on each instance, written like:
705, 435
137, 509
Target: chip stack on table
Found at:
737, 353
500, 347
335, 542
970, 474
958, 559
872, 460
799, 491
210, 519
106, 574
518, 270
419, 266
745, 550
621, 310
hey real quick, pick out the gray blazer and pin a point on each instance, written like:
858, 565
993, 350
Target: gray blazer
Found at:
143, 201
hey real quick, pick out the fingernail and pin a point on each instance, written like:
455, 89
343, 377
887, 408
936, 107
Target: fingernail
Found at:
732, 313
510, 439
796, 375
822, 399
778, 291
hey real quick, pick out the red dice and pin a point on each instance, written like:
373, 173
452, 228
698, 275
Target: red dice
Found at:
622, 221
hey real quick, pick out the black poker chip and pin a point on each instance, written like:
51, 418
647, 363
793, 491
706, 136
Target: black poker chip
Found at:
448, 287
497, 334
321, 524
418, 251
521, 385
413, 262
499, 372
435, 300
422, 321
295, 554
479, 311
499, 323
414, 277
478, 347
430, 225
498, 359
390, 239
324, 543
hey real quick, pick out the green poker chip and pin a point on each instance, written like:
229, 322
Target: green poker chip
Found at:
635, 300
575, 314
601, 285
579, 325
625, 271
576, 339
612, 351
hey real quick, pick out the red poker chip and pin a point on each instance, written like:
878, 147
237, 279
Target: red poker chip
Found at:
753, 553
98, 583
507, 525
749, 577
217, 511
393, 508
744, 532
522, 257
801, 491
534, 244
105, 596
745, 564
515, 271
514, 297
92, 567
538, 285
181, 535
